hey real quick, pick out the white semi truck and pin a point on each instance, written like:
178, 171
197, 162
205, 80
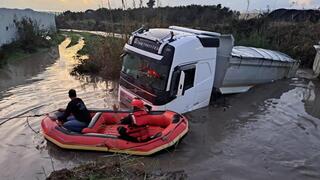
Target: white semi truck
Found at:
180, 69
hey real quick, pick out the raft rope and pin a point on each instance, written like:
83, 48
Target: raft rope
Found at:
21, 116
27, 120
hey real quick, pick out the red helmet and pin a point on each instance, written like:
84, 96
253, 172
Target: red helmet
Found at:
137, 103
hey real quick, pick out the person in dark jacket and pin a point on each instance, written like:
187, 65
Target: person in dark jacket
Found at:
76, 116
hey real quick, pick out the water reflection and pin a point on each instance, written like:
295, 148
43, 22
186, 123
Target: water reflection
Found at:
17, 72
312, 99
97, 81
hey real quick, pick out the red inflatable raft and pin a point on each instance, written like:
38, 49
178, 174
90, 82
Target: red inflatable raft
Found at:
102, 133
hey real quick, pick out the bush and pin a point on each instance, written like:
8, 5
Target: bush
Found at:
103, 56
2, 55
57, 38
288, 37
30, 36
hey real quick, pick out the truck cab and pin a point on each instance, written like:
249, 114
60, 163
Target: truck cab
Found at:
169, 69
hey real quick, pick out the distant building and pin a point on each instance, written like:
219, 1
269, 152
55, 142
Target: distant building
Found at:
46, 21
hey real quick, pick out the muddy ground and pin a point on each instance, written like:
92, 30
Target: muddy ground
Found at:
270, 132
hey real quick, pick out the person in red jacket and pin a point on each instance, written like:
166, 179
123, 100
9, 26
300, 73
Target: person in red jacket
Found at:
137, 122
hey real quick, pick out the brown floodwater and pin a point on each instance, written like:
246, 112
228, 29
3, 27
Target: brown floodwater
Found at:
269, 132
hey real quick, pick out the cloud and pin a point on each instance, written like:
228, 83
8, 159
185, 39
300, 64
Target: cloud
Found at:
301, 2
86, 2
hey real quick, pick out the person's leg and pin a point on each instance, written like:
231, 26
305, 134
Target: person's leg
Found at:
124, 135
74, 125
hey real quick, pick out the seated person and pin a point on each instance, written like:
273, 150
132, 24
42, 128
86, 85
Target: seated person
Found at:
131, 120
76, 116
139, 110
137, 122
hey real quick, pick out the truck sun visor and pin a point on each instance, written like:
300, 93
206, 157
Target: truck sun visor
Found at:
209, 41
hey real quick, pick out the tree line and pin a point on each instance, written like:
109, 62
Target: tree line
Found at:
293, 36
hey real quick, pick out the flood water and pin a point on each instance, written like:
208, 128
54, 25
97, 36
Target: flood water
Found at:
269, 132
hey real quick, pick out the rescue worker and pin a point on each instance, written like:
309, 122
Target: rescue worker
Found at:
138, 122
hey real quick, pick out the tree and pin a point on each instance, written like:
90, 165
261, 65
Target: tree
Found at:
140, 3
151, 3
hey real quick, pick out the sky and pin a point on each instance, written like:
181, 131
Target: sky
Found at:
81, 5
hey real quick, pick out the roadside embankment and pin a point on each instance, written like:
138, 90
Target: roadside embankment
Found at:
19, 71
30, 40
118, 167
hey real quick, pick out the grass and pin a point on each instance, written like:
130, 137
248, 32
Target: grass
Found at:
89, 40
20, 54
75, 37
115, 167
12, 51
57, 39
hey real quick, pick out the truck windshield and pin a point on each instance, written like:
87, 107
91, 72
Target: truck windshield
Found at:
146, 72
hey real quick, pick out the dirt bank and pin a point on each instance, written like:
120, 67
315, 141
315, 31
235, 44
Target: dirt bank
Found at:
117, 167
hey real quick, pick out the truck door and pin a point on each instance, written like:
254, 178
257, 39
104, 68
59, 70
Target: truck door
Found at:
183, 88
203, 85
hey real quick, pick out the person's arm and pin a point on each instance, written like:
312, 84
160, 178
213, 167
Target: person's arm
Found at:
127, 120
66, 113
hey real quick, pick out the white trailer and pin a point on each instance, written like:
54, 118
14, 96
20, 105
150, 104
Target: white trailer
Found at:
179, 68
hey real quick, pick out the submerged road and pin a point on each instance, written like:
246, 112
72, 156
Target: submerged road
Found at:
270, 132
37, 85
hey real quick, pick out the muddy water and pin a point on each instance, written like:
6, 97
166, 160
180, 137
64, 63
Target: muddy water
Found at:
270, 132
37, 85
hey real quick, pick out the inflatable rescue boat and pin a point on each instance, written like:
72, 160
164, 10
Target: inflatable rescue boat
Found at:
102, 133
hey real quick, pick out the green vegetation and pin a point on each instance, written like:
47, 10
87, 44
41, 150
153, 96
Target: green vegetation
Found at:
294, 39
292, 34
101, 55
118, 20
2, 56
74, 37
30, 40
30, 37
57, 38
90, 41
